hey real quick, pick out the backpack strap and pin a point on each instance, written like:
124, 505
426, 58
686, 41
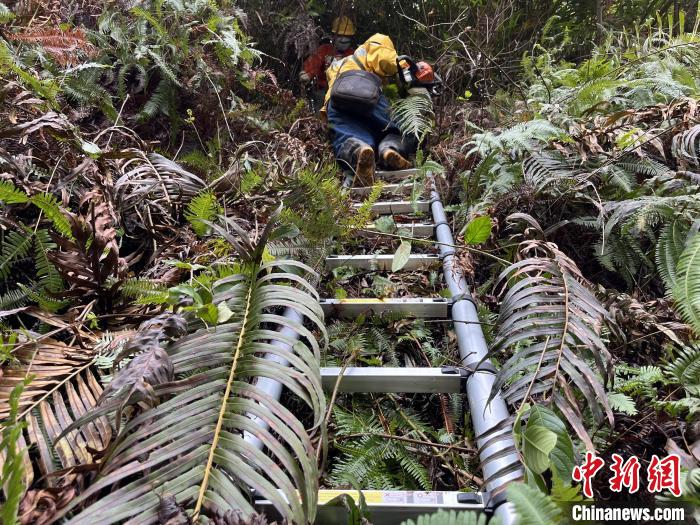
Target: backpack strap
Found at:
359, 64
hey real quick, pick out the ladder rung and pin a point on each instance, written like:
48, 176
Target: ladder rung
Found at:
381, 262
415, 229
388, 207
363, 191
398, 174
388, 507
448, 380
408, 306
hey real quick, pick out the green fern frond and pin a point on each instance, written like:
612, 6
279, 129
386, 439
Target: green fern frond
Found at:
199, 160
686, 292
5, 14
145, 292
414, 115
443, 517
13, 299
49, 204
551, 173
161, 102
149, 17
45, 302
685, 368
414, 468
525, 136
49, 278
163, 67
203, 207
15, 246
10, 194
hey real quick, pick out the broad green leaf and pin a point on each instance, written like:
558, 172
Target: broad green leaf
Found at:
224, 312
403, 253
385, 224
538, 442
532, 506
90, 148
478, 230
267, 256
357, 513
562, 455
284, 231
208, 313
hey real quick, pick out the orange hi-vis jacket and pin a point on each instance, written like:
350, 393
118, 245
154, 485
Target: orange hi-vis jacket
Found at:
316, 65
377, 55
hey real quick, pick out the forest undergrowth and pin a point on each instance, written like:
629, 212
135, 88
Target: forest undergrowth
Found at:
165, 197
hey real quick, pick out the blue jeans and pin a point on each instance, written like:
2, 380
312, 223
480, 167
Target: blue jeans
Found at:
370, 129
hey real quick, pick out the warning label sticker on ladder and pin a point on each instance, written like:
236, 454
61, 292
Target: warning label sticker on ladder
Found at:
379, 497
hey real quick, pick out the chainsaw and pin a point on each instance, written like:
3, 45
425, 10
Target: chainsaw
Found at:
414, 74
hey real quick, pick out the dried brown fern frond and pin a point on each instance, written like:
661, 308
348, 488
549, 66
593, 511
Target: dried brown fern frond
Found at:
66, 47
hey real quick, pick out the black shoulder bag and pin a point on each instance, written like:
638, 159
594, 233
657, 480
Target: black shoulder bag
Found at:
356, 92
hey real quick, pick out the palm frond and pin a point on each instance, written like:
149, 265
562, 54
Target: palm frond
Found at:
668, 251
551, 322
195, 439
686, 146
686, 292
153, 182
69, 400
552, 173
49, 361
646, 212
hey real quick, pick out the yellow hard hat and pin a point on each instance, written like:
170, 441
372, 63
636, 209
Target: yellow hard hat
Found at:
342, 25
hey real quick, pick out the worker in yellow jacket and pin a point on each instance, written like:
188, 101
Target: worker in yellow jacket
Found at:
358, 113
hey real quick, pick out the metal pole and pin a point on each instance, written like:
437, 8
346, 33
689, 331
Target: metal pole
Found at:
472, 349
270, 386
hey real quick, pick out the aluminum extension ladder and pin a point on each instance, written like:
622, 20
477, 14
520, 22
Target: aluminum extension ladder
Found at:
498, 457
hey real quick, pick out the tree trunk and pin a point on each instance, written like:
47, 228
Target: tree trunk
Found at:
599, 17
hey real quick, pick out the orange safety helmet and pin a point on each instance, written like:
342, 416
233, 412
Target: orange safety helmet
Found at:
343, 26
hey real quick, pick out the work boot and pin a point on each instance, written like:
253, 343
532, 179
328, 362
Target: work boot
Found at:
393, 160
364, 168
359, 157
392, 151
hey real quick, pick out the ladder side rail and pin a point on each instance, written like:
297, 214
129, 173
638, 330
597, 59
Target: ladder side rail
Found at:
472, 349
270, 386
